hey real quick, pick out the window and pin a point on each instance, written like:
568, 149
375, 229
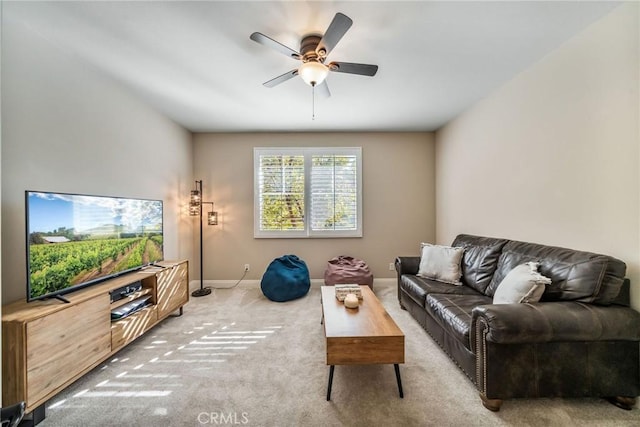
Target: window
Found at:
307, 192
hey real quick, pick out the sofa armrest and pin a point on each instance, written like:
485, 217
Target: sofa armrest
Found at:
407, 265
553, 321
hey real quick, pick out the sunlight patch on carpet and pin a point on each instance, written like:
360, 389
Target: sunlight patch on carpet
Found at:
141, 379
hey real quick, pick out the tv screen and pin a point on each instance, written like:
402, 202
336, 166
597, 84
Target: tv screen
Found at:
76, 240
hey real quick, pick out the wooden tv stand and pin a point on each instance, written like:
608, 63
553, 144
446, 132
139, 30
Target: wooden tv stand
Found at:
48, 344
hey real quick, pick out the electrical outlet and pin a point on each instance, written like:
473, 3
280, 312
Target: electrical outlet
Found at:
246, 267
392, 266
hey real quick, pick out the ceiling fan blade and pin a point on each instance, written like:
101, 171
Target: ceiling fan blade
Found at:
281, 79
323, 89
338, 27
353, 68
269, 42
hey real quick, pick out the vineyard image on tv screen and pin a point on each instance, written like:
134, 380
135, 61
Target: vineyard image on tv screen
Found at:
75, 240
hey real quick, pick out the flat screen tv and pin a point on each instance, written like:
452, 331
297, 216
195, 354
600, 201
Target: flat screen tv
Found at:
76, 240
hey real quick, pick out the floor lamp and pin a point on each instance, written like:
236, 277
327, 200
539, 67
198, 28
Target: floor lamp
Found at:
195, 209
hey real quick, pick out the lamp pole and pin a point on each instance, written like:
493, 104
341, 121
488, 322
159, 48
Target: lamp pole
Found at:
196, 201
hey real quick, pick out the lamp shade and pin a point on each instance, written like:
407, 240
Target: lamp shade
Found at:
194, 203
313, 72
212, 218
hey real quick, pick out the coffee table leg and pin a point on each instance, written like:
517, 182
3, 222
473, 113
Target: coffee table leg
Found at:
330, 382
397, 368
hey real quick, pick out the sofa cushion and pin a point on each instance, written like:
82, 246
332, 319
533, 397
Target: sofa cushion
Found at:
479, 260
576, 275
414, 286
418, 287
453, 313
441, 263
522, 284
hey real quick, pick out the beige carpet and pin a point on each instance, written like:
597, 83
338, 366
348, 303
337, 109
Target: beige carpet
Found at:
236, 358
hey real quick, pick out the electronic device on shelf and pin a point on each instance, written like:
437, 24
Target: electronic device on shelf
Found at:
129, 308
125, 291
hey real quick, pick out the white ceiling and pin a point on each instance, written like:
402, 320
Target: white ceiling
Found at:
194, 61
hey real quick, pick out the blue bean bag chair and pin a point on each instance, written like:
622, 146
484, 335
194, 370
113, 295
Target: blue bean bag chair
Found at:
285, 279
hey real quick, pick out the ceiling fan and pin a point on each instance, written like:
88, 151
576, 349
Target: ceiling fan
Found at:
314, 49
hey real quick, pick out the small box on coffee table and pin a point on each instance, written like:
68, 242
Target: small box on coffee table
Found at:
346, 289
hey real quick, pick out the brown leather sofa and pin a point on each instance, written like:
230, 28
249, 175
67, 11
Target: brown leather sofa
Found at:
582, 338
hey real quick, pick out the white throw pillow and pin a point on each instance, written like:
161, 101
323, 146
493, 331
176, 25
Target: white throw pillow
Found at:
522, 284
441, 263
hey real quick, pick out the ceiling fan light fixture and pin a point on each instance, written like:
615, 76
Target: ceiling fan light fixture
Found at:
314, 49
313, 73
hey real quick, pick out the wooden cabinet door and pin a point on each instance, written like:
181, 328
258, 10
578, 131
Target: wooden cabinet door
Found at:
64, 344
128, 329
173, 288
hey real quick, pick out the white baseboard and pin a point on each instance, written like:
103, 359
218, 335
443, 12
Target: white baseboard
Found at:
225, 284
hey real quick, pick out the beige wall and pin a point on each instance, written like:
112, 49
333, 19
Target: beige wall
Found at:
66, 128
1, 12
552, 157
398, 201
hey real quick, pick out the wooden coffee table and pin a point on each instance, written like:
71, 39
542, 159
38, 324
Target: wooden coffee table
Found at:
363, 336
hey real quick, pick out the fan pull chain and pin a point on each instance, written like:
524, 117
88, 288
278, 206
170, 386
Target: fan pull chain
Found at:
313, 102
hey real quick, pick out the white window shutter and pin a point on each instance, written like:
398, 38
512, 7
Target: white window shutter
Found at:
334, 192
281, 190
307, 192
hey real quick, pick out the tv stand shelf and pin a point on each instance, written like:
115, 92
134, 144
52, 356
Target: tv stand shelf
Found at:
47, 345
131, 297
